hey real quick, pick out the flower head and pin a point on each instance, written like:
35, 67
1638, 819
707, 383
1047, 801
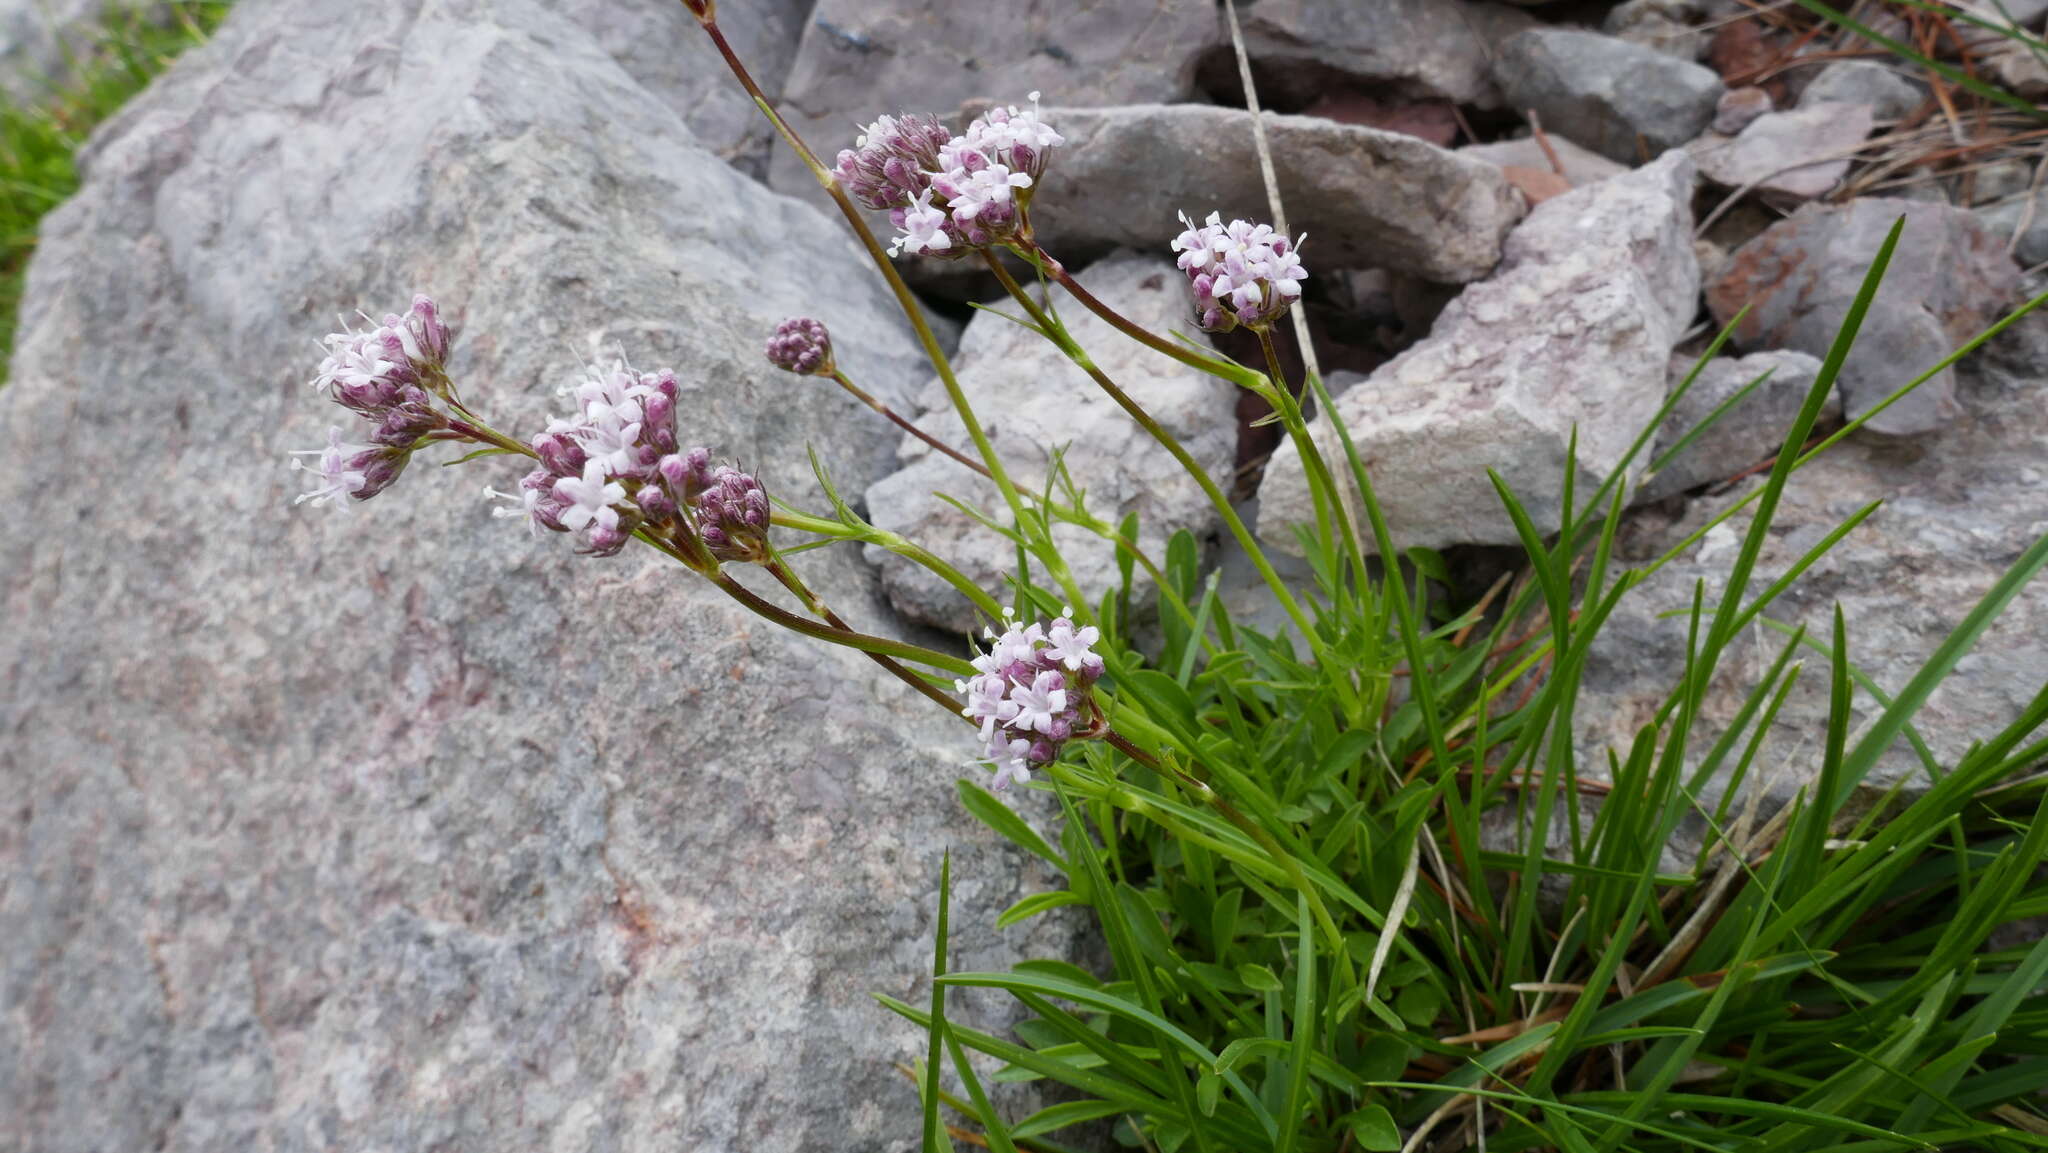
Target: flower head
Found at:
371, 370
890, 160
948, 194
625, 421
389, 374
596, 461
732, 516
1032, 693
1239, 273
802, 346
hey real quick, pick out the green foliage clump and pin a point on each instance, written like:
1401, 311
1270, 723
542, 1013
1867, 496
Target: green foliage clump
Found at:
1314, 949
39, 137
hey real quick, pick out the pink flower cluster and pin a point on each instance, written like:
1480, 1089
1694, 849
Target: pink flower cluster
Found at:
614, 467
1031, 694
388, 374
1240, 273
945, 194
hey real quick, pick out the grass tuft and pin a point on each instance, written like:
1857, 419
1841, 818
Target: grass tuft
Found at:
40, 137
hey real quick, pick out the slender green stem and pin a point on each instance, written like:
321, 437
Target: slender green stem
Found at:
866, 398
1047, 263
912, 310
869, 534
905, 299
1322, 484
818, 607
838, 636
1074, 352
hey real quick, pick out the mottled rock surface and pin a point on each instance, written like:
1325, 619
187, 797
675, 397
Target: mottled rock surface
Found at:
402, 830
1958, 511
1786, 156
1575, 329
862, 58
1750, 432
1366, 198
1410, 49
1033, 402
1619, 99
659, 43
1948, 280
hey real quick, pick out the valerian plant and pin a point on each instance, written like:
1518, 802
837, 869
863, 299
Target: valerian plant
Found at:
1313, 946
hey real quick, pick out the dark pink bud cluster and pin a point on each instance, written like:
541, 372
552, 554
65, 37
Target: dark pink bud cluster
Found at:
732, 516
801, 345
891, 162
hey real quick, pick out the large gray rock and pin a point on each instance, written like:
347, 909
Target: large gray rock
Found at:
1750, 432
1955, 517
1607, 93
1413, 49
862, 58
402, 830
1889, 95
1786, 156
660, 44
1366, 198
1034, 402
1574, 330
1948, 280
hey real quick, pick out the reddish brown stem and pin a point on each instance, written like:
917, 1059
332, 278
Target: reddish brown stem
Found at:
811, 601
865, 398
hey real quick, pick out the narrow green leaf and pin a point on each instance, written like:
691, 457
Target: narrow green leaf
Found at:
1304, 1025
1035, 904
991, 811
935, 1139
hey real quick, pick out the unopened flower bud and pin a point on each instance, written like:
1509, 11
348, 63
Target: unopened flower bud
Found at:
655, 504
801, 345
560, 454
605, 540
380, 467
431, 336
688, 474
733, 516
